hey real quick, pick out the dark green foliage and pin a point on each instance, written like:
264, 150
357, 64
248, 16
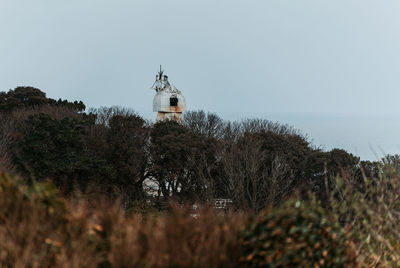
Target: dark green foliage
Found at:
179, 160
255, 163
293, 146
296, 235
320, 168
21, 97
29, 97
369, 169
76, 105
291, 149
340, 161
56, 149
127, 138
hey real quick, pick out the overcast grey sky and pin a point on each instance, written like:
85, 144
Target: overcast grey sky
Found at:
329, 68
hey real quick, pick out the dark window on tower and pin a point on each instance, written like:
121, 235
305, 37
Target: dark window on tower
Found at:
173, 101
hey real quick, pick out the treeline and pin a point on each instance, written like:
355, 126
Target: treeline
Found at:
255, 163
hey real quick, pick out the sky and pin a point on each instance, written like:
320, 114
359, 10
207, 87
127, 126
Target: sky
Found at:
328, 68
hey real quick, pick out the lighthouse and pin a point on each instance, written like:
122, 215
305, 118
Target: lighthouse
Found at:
168, 102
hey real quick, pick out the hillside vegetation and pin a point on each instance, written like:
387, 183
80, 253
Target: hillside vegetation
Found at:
106, 188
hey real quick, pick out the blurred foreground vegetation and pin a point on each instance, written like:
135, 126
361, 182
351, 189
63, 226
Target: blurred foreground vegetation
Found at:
106, 188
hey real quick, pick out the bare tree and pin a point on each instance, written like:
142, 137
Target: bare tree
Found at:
210, 124
104, 114
245, 177
261, 162
252, 184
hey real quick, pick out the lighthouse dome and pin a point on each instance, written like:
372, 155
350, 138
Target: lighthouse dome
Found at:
168, 100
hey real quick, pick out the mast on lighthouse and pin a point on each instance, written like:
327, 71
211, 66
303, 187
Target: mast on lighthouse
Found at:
168, 102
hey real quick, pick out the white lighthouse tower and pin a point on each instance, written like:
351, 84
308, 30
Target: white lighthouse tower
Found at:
168, 102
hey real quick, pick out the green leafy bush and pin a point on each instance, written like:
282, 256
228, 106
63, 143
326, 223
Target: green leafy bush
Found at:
372, 208
48, 196
16, 196
295, 235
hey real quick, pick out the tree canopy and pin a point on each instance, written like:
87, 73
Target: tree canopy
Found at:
29, 97
255, 163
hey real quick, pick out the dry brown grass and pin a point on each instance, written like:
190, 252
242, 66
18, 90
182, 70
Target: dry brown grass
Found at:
371, 211
40, 229
173, 239
101, 234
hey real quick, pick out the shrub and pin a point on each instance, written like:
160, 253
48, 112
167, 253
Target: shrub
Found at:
295, 235
32, 223
45, 195
38, 228
372, 209
171, 239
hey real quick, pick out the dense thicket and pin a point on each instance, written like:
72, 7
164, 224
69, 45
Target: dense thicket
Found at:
255, 163
24, 97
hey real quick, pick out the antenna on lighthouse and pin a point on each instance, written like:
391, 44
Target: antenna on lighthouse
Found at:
161, 82
160, 73
168, 102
